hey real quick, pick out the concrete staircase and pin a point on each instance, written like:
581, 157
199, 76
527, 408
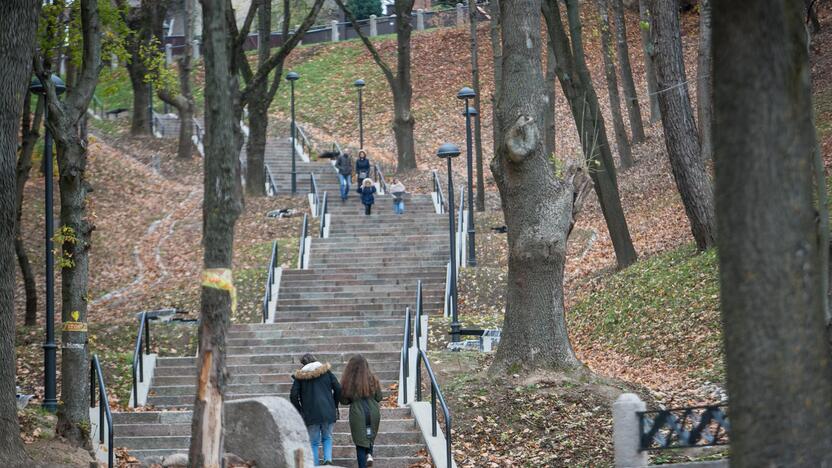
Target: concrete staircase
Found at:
278, 158
350, 300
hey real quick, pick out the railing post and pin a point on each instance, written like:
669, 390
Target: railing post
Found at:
460, 17
146, 335
168, 56
625, 429
195, 49
101, 419
334, 33
92, 384
420, 19
373, 26
419, 376
434, 421
135, 388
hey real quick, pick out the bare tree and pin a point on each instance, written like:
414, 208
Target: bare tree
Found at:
220, 209
623, 51
400, 82
576, 83
680, 133
18, 23
29, 130
534, 334
777, 358
646, 27
621, 142
183, 100
704, 81
475, 80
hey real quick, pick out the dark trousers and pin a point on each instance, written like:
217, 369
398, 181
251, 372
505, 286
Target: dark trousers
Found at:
368, 209
361, 455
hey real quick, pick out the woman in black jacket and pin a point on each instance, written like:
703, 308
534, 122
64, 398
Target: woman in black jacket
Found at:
362, 167
315, 394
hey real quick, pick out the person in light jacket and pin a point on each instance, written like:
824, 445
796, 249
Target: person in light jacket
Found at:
362, 167
397, 190
362, 392
315, 394
344, 166
366, 190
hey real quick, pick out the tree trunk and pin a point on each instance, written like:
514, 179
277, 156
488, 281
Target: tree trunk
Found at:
140, 121
30, 129
475, 80
704, 81
258, 111
534, 333
630, 95
18, 23
812, 15
146, 23
497, 53
404, 123
646, 27
680, 133
220, 209
577, 87
551, 101
624, 154
777, 361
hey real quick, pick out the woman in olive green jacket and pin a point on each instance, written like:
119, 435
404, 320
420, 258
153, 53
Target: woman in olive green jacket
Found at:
361, 390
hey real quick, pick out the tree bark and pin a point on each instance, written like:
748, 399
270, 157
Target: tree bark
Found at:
624, 154
30, 129
146, 22
475, 80
220, 210
184, 101
577, 87
18, 24
551, 101
497, 53
534, 332
627, 83
680, 131
258, 110
777, 361
646, 27
704, 82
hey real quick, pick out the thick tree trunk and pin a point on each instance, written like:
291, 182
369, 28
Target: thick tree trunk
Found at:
404, 122
475, 81
577, 87
624, 154
497, 53
221, 207
30, 130
646, 27
18, 23
258, 112
627, 83
777, 361
680, 131
145, 21
534, 334
140, 121
550, 116
704, 81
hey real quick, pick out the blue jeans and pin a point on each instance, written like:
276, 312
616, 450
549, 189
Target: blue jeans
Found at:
361, 455
345, 185
319, 433
398, 206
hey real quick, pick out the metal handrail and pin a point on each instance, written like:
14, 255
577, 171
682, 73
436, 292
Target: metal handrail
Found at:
437, 189
302, 252
380, 179
322, 216
435, 394
104, 413
143, 336
271, 186
460, 232
305, 144
405, 357
313, 189
267, 297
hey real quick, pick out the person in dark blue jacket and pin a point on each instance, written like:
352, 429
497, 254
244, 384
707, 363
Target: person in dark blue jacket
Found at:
366, 190
362, 168
315, 394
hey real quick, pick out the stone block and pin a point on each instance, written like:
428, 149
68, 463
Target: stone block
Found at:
268, 431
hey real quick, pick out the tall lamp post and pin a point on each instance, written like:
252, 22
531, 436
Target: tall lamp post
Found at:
359, 84
467, 93
50, 400
292, 77
449, 151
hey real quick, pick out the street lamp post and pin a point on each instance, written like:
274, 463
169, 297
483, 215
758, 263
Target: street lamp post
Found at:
467, 93
449, 151
359, 84
50, 400
292, 77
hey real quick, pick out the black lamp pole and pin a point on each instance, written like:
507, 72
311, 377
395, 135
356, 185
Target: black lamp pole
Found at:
467, 93
360, 84
50, 400
292, 77
449, 151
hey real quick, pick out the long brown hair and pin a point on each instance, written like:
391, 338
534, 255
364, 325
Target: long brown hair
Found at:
358, 381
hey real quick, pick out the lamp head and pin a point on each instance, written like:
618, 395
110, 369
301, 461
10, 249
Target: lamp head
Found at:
292, 76
466, 93
471, 112
448, 150
36, 86
359, 83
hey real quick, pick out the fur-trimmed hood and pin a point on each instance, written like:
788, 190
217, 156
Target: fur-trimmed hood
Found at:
313, 370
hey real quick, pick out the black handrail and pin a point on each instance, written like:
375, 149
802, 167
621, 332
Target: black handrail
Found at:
419, 311
437, 188
313, 189
267, 297
103, 407
303, 232
405, 361
435, 394
380, 179
322, 216
143, 336
271, 186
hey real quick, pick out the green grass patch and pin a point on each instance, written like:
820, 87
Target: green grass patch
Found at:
666, 307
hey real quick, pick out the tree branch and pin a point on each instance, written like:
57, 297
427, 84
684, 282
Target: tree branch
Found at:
79, 98
242, 35
388, 73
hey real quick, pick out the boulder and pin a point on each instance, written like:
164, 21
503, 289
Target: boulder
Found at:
267, 431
